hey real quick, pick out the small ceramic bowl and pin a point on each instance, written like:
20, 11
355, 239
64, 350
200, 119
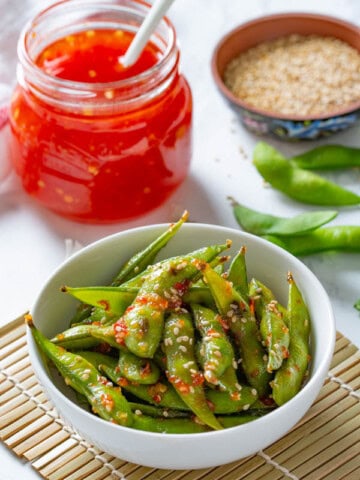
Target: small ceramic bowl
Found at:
98, 263
269, 28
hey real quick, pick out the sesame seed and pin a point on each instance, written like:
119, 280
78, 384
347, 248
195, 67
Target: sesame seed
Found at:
254, 392
183, 348
138, 412
176, 331
246, 407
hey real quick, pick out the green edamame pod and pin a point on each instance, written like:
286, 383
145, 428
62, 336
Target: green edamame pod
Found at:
237, 273
157, 412
273, 328
145, 257
299, 184
200, 295
340, 238
105, 400
141, 326
138, 370
275, 336
262, 295
229, 421
289, 378
263, 224
243, 326
182, 370
76, 338
225, 403
168, 425
328, 157
160, 394
215, 347
112, 300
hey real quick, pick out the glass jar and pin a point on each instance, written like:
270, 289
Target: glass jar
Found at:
89, 143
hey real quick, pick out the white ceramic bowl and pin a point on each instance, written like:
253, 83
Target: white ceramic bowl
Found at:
99, 262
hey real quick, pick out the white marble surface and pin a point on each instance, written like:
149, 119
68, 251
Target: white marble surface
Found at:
32, 240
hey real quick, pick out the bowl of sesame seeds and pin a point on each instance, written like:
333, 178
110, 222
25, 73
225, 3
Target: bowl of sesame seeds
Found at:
293, 76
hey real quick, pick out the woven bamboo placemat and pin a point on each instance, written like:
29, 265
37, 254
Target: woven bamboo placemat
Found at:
325, 444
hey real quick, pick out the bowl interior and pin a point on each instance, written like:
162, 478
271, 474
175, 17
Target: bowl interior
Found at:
269, 28
98, 263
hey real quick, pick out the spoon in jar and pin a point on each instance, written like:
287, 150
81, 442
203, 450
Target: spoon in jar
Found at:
148, 26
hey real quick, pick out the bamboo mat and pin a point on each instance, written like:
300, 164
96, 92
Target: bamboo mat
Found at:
325, 444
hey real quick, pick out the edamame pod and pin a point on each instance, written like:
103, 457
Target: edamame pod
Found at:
237, 273
182, 370
138, 370
289, 378
264, 224
243, 326
141, 326
328, 157
145, 257
299, 184
215, 348
339, 238
105, 400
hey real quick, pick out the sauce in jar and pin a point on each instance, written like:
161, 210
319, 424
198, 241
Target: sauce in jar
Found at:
95, 141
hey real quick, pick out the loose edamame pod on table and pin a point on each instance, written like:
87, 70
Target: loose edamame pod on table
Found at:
297, 183
259, 223
342, 238
328, 157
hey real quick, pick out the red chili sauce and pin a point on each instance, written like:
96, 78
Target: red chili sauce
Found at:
97, 167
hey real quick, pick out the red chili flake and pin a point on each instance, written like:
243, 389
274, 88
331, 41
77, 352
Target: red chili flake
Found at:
182, 286
223, 323
267, 401
285, 352
104, 304
121, 331
131, 307
252, 305
235, 396
122, 381
197, 378
254, 373
183, 387
153, 300
210, 405
96, 324
179, 384
145, 370
60, 336
107, 401
102, 348
156, 391
103, 380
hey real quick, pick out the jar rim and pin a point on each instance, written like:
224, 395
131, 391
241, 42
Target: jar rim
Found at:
72, 85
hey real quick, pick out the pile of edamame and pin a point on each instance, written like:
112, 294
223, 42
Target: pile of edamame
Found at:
183, 345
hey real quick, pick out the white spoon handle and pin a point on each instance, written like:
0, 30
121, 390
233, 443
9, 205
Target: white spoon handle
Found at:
149, 24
